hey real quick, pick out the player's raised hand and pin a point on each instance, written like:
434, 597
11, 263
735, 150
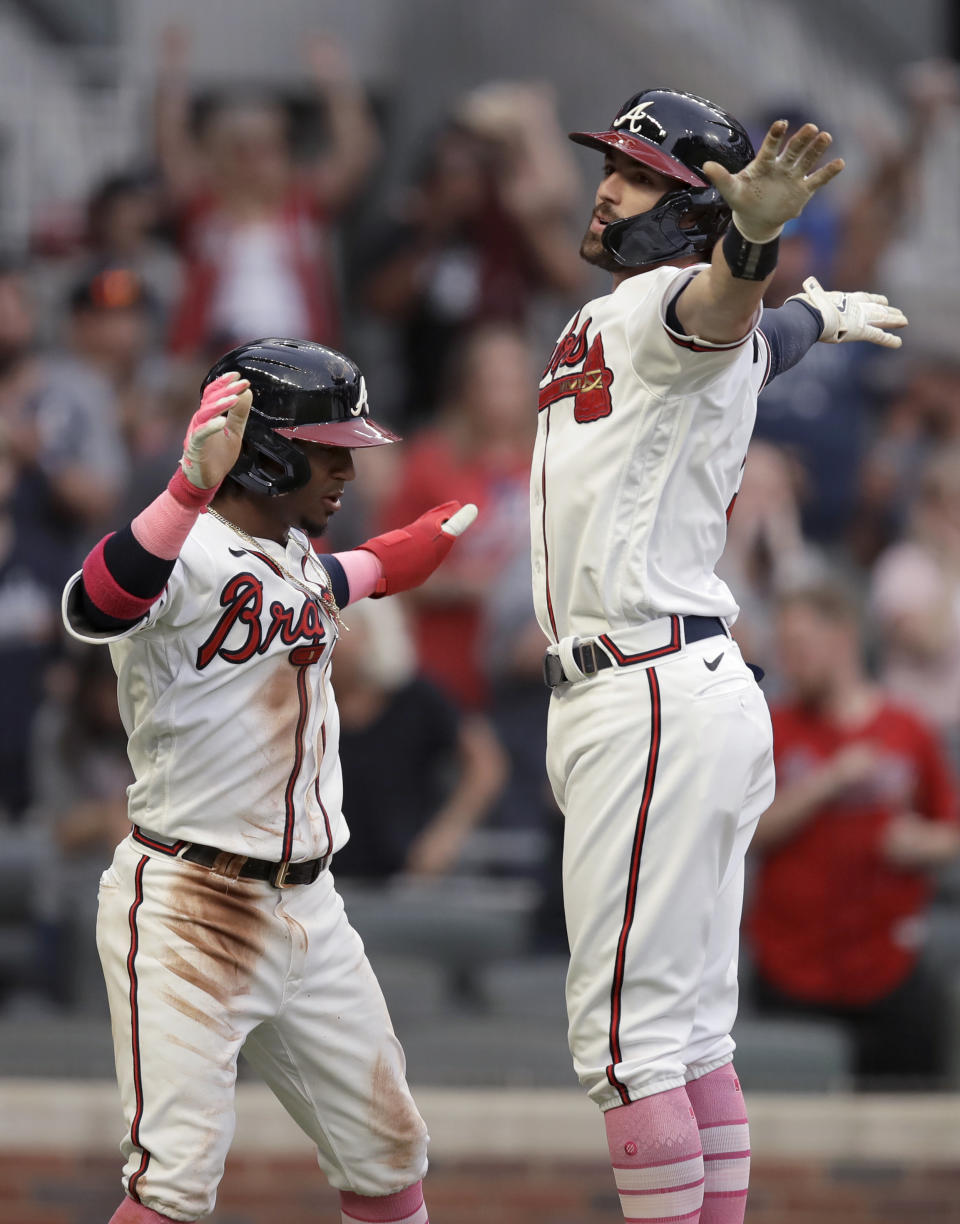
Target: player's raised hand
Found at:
779, 181
212, 443
853, 316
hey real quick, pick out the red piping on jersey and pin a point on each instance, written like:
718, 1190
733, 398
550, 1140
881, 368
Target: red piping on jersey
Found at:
135, 1032
624, 659
173, 851
616, 990
546, 551
288, 797
691, 344
580, 343
733, 500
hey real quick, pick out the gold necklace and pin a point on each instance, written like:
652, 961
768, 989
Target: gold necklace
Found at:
326, 598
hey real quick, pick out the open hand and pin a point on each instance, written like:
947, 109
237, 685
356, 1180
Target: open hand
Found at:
212, 443
779, 181
853, 316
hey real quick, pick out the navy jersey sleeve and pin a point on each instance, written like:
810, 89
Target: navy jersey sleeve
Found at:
338, 579
791, 330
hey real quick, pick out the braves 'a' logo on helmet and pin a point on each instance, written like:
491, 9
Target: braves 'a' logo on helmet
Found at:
641, 123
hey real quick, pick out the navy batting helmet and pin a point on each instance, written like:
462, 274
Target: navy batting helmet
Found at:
673, 133
302, 392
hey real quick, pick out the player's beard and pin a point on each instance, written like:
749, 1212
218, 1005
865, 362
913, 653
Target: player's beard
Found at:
594, 252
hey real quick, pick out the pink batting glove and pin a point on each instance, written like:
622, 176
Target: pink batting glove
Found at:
212, 443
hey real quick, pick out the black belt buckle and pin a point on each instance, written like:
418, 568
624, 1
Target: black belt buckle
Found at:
589, 661
552, 670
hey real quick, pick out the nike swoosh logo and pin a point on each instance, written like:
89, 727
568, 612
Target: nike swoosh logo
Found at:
712, 664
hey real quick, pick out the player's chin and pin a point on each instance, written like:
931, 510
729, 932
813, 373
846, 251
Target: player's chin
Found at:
594, 252
315, 523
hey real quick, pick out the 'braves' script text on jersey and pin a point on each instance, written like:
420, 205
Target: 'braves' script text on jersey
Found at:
233, 726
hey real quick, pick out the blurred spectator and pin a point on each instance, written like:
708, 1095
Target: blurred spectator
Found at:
866, 808
417, 776
923, 417
921, 265
119, 230
80, 775
824, 411
479, 451
486, 226
255, 226
526, 826
109, 332
32, 571
819, 412
765, 551
81, 771
915, 599
60, 419
123, 215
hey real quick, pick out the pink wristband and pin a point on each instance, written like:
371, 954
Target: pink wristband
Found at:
363, 570
186, 492
165, 524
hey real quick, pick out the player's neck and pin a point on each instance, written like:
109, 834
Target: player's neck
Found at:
682, 261
257, 518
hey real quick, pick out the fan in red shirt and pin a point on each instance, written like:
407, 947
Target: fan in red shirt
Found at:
253, 225
480, 446
866, 807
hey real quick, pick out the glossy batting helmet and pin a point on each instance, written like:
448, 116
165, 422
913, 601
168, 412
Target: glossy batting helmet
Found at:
302, 392
673, 133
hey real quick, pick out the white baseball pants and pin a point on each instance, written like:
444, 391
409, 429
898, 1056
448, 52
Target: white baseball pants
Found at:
197, 966
662, 771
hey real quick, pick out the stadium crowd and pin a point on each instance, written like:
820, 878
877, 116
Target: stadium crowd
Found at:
844, 547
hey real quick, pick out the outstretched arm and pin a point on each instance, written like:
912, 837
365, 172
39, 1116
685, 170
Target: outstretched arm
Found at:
354, 141
402, 559
176, 150
833, 318
720, 305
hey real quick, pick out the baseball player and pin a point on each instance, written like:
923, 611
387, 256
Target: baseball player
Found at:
659, 740
219, 926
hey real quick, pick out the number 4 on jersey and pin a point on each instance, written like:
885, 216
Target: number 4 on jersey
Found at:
589, 386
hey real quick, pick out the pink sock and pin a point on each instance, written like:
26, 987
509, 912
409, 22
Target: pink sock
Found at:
130, 1212
404, 1207
657, 1164
725, 1137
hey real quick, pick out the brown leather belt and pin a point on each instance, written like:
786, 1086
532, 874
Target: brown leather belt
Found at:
235, 866
280, 875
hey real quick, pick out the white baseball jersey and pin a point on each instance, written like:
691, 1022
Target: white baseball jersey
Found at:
640, 448
224, 690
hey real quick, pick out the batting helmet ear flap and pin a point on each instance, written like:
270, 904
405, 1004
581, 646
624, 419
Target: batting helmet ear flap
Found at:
269, 464
686, 221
